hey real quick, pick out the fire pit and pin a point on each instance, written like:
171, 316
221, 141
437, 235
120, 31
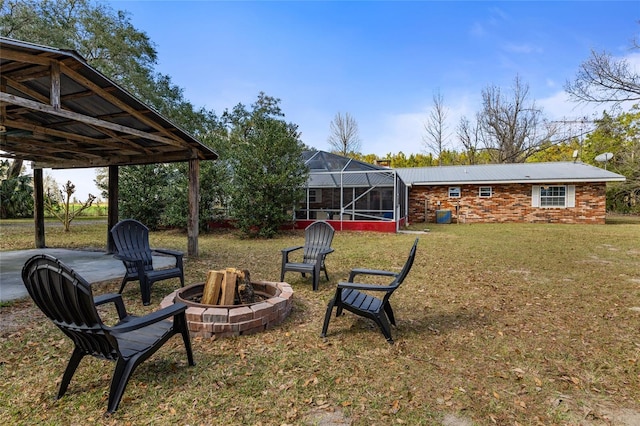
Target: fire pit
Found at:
273, 304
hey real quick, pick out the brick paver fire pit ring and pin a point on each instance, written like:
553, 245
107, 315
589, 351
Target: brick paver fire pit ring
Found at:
217, 321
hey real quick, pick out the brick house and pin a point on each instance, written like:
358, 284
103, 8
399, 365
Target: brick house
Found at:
558, 192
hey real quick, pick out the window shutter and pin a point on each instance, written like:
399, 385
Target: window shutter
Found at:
571, 195
535, 196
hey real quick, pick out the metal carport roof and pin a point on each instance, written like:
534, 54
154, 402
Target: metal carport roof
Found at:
59, 112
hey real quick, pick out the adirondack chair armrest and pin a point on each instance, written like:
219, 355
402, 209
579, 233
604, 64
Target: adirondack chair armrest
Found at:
287, 251
378, 272
322, 253
117, 301
175, 253
152, 318
361, 286
139, 264
290, 249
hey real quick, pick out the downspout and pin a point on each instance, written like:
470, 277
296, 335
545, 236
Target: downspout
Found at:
396, 205
341, 201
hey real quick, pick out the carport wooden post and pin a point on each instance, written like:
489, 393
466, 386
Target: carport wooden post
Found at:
194, 206
38, 207
112, 208
38, 180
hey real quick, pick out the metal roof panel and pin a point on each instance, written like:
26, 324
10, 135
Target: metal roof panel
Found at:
507, 173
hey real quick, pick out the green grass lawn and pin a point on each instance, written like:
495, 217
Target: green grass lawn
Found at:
528, 324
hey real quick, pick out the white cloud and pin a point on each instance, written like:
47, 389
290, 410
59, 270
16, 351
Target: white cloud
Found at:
559, 107
404, 131
498, 15
395, 133
633, 59
477, 30
522, 48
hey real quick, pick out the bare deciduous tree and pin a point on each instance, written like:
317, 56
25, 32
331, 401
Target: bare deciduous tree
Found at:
469, 135
512, 127
604, 79
65, 213
344, 137
436, 138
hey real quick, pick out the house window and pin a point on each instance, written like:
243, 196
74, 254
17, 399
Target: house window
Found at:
315, 195
553, 196
454, 192
485, 192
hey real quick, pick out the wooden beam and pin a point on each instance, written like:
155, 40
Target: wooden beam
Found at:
37, 106
34, 151
29, 74
26, 90
113, 141
79, 78
38, 208
3, 107
112, 213
54, 90
29, 58
109, 160
194, 208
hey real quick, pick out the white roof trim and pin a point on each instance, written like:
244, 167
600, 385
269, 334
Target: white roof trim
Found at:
502, 182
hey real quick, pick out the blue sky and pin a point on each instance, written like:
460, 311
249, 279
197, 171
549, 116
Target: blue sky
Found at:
379, 61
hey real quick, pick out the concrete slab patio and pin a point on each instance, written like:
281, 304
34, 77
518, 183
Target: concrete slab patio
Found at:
93, 266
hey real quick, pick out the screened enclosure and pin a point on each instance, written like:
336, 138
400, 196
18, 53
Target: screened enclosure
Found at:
352, 193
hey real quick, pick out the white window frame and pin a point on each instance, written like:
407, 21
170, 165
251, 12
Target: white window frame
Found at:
553, 196
453, 190
487, 193
537, 196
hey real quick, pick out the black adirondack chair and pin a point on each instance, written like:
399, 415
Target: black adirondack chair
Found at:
353, 297
317, 245
131, 239
67, 299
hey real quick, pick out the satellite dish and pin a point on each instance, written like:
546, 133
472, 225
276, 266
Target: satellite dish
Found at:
603, 158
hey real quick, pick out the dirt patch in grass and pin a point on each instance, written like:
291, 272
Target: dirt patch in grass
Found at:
324, 417
17, 316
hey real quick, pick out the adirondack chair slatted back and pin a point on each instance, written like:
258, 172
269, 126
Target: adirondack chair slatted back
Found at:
403, 272
132, 240
317, 236
409, 263
67, 300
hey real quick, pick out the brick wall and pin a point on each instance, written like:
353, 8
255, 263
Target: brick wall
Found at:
508, 203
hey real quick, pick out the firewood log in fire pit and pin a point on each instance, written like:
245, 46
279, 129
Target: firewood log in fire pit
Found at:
228, 286
244, 288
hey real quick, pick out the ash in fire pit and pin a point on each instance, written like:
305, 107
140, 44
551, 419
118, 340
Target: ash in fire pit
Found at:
272, 304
